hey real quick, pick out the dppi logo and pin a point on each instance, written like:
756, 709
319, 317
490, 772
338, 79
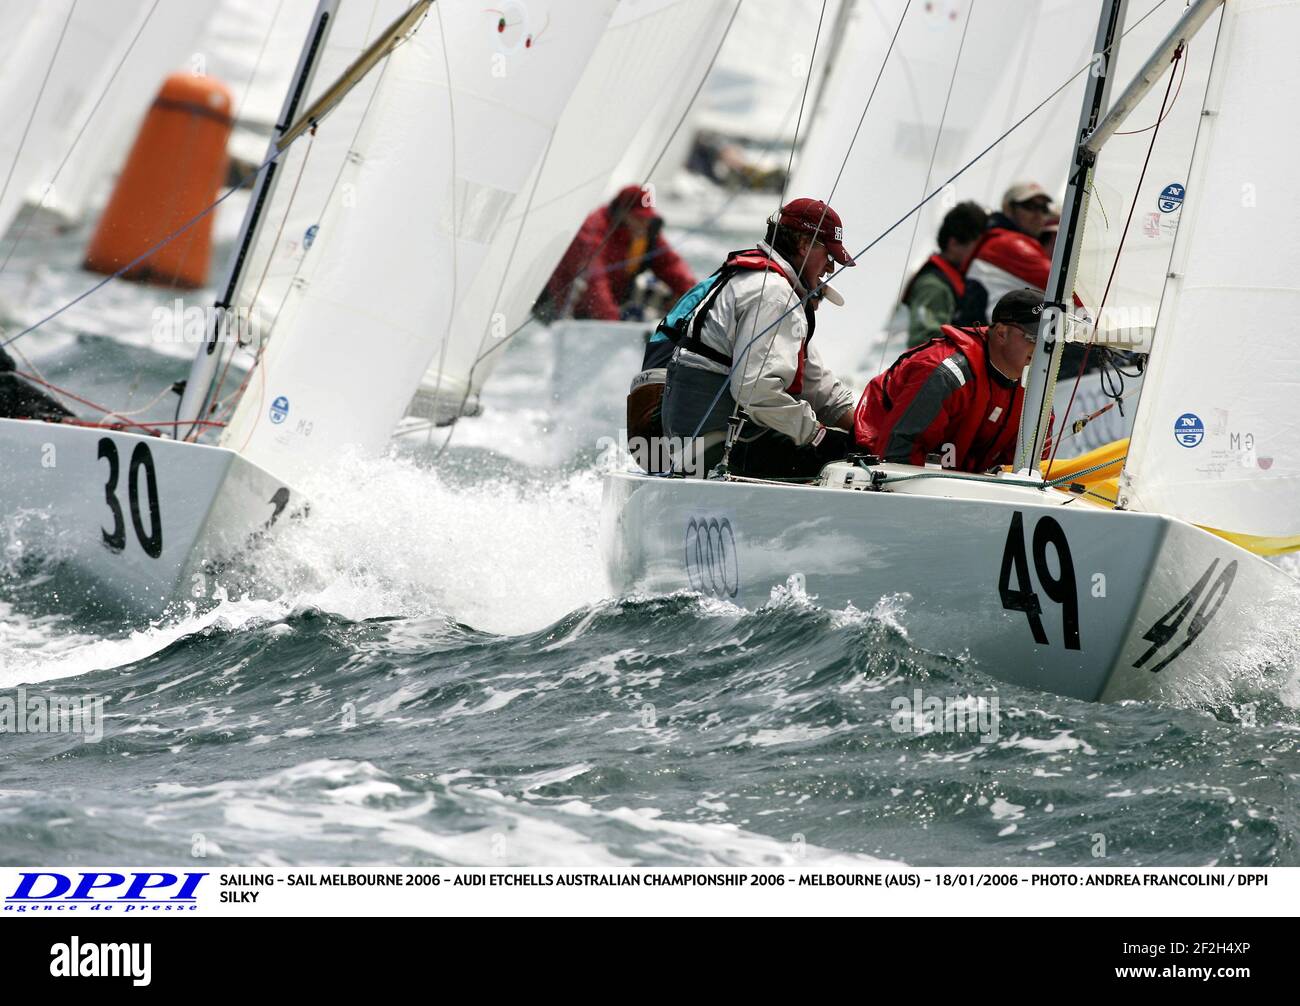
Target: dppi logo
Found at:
279, 410
134, 892
511, 26
1189, 430
712, 565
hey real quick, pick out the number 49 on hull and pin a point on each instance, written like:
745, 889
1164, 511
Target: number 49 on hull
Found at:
1037, 587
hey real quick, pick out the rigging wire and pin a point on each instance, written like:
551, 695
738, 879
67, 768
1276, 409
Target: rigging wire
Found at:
257, 63
143, 255
13, 246
957, 174
794, 142
455, 239
1114, 267
862, 118
232, 403
929, 174
618, 220
65, 393
293, 195
735, 412
40, 93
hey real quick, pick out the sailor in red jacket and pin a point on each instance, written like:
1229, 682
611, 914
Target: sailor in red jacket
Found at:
1009, 255
958, 396
617, 243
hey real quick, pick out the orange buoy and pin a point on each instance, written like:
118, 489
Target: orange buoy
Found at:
174, 172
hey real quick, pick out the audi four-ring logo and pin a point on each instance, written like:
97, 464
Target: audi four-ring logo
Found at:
711, 561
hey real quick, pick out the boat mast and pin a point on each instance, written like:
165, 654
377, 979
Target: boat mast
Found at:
198, 386
1191, 21
1093, 134
1059, 299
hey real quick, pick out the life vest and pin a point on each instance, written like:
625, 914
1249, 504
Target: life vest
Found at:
681, 326
941, 266
982, 433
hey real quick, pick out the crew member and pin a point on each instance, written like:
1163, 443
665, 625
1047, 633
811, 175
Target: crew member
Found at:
932, 295
753, 346
20, 399
958, 396
596, 278
1009, 255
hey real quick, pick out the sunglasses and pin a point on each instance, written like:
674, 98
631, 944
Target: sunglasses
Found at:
1028, 333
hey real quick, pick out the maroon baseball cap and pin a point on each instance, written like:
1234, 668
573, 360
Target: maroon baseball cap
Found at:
814, 217
635, 201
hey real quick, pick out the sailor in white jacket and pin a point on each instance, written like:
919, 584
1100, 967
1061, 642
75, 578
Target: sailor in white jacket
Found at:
755, 329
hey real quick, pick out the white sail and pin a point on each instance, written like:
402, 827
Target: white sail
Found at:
54, 62
95, 138
757, 80
640, 78
1133, 301
1215, 441
309, 172
461, 115
1014, 56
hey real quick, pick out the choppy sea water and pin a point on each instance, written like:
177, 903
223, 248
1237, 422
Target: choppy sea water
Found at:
441, 676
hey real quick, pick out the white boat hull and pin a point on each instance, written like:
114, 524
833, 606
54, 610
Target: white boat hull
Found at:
955, 559
140, 522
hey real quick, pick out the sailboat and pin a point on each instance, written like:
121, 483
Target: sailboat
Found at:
636, 88
405, 142
70, 64
941, 92
1142, 575
664, 70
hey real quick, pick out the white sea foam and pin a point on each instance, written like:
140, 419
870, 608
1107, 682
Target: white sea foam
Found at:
384, 537
314, 811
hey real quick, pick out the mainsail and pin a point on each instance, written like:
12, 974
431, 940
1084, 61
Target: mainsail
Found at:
643, 73
915, 135
756, 85
58, 56
310, 169
1127, 267
1216, 441
120, 76
459, 117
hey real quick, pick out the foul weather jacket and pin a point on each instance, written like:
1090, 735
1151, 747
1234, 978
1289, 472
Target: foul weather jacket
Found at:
1004, 259
609, 267
779, 380
944, 397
